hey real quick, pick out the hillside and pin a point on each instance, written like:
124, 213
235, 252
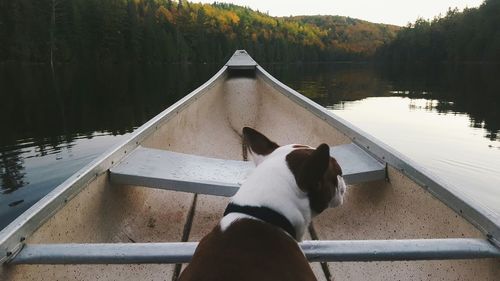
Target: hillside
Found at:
164, 31
352, 36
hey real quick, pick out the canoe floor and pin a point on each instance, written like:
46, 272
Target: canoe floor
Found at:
211, 126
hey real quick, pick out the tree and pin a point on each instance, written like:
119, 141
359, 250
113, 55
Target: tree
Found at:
156, 31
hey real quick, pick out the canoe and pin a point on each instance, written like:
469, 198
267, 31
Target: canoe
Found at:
137, 211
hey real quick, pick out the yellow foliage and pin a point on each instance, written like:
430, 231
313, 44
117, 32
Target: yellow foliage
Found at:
165, 13
233, 17
321, 32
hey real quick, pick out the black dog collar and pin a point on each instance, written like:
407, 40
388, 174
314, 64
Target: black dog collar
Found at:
265, 214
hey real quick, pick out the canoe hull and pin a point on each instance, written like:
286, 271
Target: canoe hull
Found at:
208, 123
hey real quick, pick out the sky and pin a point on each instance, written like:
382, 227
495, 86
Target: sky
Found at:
398, 12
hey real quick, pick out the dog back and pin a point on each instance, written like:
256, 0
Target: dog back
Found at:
248, 250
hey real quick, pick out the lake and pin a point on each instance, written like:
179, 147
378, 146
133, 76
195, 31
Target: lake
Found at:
447, 118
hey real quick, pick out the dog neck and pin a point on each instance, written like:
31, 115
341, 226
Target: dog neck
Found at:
272, 185
264, 214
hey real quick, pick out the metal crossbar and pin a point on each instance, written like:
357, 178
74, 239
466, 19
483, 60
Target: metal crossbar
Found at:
315, 251
191, 173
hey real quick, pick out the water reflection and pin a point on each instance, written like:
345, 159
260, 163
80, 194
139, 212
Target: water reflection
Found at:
329, 84
11, 171
469, 89
88, 99
444, 118
54, 125
445, 144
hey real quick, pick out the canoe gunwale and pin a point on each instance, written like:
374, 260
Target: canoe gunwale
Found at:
482, 218
12, 237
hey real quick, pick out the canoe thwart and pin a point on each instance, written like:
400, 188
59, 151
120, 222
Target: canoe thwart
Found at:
197, 174
315, 251
180, 172
357, 165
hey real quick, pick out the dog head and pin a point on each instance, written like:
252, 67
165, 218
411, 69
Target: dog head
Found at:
312, 171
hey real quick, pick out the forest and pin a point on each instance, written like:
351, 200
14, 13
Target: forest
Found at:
472, 35
166, 31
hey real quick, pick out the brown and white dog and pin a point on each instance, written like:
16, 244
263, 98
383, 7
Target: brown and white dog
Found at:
257, 237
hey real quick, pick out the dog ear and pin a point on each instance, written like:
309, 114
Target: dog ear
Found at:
257, 144
314, 167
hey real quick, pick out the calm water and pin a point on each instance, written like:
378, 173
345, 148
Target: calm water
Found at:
447, 119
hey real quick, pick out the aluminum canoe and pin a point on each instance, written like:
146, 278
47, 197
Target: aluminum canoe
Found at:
138, 209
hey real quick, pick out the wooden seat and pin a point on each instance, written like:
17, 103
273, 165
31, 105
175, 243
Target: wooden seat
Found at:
191, 173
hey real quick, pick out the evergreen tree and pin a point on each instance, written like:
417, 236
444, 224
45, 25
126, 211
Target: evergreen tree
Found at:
471, 35
157, 31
